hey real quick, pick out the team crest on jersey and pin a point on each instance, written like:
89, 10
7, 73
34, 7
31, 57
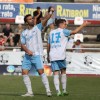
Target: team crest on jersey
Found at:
28, 37
33, 32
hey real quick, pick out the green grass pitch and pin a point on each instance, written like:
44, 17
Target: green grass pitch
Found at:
79, 88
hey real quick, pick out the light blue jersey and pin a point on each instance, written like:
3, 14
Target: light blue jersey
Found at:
32, 39
58, 40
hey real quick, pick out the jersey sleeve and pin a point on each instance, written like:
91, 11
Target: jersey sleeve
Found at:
23, 39
67, 32
40, 26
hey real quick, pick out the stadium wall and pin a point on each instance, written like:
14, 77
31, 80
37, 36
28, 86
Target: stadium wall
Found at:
77, 63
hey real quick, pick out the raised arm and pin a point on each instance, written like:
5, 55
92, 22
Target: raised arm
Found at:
80, 27
44, 21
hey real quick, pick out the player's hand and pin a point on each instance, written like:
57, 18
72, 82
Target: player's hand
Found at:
30, 53
39, 12
86, 23
52, 9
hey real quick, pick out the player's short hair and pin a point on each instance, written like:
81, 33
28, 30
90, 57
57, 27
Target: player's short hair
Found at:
78, 41
38, 8
25, 18
49, 8
59, 21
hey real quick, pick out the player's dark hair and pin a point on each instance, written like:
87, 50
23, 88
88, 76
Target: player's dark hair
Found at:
59, 21
38, 8
25, 18
49, 8
78, 41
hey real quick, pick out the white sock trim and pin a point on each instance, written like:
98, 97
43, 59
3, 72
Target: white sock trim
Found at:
27, 83
64, 81
56, 82
45, 82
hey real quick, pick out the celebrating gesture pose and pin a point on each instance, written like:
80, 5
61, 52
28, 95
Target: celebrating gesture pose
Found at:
31, 43
56, 50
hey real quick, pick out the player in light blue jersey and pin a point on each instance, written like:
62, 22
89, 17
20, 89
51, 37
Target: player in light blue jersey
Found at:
31, 43
56, 51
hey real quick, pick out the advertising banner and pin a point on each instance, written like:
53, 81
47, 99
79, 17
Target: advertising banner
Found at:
9, 60
77, 63
83, 63
17, 1
62, 10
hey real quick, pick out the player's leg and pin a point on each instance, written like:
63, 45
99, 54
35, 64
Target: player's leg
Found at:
45, 81
62, 65
64, 82
55, 69
39, 66
26, 65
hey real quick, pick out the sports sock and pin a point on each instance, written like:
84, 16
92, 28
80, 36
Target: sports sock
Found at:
56, 82
64, 81
27, 83
45, 82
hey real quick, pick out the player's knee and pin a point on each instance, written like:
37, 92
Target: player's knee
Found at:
25, 72
63, 71
40, 71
